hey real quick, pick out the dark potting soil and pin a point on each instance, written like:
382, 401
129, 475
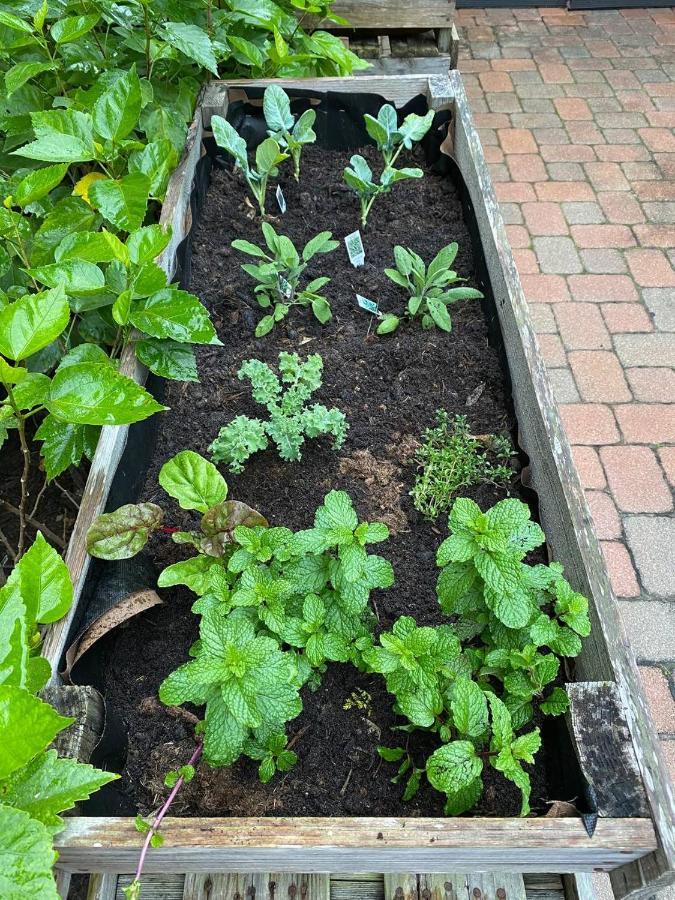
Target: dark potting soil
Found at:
389, 388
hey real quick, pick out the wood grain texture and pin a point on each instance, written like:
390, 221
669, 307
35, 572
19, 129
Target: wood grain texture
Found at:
177, 216
84, 704
603, 746
257, 886
102, 887
342, 844
565, 516
383, 15
400, 886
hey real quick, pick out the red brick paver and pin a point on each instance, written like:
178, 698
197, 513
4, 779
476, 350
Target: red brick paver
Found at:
577, 113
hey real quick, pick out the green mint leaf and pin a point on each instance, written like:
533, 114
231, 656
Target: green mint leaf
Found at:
469, 708
453, 767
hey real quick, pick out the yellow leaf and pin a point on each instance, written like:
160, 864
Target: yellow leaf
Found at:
81, 189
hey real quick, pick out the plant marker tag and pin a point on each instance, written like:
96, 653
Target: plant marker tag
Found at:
285, 288
369, 305
281, 200
354, 245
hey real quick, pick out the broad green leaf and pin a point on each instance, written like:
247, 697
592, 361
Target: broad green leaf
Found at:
193, 42
14, 22
175, 314
32, 322
145, 244
469, 708
62, 135
156, 160
39, 183
31, 390
44, 582
26, 855
76, 276
90, 394
277, 109
461, 801
439, 313
388, 324
123, 202
71, 28
18, 75
196, 573
246, 51
117, 110
268, 155
168, 359
65, 444
27, 726
123, 533
454, 767
193, 481
49, 785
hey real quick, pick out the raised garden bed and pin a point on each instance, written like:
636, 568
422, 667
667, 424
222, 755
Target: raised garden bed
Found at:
607, 689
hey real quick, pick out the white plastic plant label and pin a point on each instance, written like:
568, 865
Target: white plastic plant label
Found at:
285, 288
281, 200
354, 245
369, 305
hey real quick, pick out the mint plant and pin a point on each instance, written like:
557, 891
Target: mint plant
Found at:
429, 289
450, 458
36, 784
290, 419
359, 177
278, 276
268, 155
289, 133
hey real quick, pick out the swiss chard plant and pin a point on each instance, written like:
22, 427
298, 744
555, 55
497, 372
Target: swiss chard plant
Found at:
268, 156
290, 421
36, 784
476, 683
431, 290
289, 133
279, 273
391, 139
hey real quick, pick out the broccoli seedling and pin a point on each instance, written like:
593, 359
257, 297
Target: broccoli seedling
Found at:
290, 421
359, 176
278, 276
391, 138
429, 289
268, 155
282, 126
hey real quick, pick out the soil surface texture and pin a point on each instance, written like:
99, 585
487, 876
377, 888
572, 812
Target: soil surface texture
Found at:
389, 388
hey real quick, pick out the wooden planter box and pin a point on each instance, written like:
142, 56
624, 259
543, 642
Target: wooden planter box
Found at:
609, 723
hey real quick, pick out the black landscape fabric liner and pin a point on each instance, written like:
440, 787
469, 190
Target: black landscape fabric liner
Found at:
339, 126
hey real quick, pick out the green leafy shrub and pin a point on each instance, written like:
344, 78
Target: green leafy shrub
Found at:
278, 276
289, 134
36, 784
391, 139
475, 683
450, 459
275, 605
290, 421
429, 289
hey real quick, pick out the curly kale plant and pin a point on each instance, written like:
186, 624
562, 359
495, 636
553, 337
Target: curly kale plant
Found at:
475, 682
429, 289
276, 606
268, 155
391, 139
290, 134
290, 421
278, 276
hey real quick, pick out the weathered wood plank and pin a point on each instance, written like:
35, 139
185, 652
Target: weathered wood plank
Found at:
84, 704
256, 886
565, 516
603, 746
380, 15
341, 844
400, 886
495, 886
443, 886
102, 887
175, 215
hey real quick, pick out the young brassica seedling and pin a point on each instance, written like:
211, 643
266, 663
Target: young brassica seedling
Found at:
268, 155
429, 289
290, 421
359, 177
290, 134
392, 139
278, 276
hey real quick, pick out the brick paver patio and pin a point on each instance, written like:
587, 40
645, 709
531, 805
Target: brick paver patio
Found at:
576, 112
